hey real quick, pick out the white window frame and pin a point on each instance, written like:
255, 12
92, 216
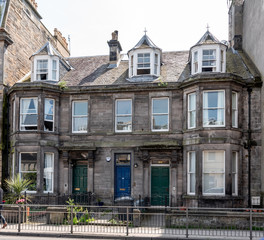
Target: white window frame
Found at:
159, 114
195, 62
40, 71
50, 67
144, 63
214, 172
234, 110
189, 173
22, 114
206, 109
210, 59
154, 67
53, 115
191, 111
122, 115
156, 63
234, 173
45, 170
79, 116
132, 65
20, 171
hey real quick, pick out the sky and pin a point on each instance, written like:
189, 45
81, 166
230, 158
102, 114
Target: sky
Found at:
173, 25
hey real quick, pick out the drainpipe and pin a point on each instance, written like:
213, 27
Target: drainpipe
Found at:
249, 146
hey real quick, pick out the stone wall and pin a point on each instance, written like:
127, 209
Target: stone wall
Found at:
29, 35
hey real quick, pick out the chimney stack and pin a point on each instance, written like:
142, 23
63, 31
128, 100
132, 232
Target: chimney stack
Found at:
115, 49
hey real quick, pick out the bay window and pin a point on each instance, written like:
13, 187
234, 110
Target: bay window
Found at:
28, 114
214, 108
79, 116
160, 114
213, 172
123, 116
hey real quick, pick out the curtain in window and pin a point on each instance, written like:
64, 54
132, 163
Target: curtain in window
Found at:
48, 172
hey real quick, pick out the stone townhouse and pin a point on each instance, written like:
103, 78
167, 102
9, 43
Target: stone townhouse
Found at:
246, 34
21, 34
171, 127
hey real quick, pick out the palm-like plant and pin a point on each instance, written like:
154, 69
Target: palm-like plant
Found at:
17, 187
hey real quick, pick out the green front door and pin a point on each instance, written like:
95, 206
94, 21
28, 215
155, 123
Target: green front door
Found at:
160, 181
79, 174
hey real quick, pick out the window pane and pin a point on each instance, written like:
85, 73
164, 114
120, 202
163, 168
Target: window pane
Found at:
160, 105
123, 107
124, 123
122, 159
213, 183
160, 122
28, 162
28, 169
80, 124
192, 162
48, 172
192, 183
214, 99
30, 176
29, 119
81, 108
28, 105
213, 162
49, 103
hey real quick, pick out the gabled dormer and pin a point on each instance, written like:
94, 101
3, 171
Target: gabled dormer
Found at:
144, 58
208, 55
46, 64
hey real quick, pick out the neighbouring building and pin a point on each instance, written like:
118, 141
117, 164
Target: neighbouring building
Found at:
170, 127
246, 34
21, 34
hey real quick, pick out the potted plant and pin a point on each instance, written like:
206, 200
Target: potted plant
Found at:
17, 188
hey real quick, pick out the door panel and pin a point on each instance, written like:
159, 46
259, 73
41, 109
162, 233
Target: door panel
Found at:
160, 181
79, 184
123, 181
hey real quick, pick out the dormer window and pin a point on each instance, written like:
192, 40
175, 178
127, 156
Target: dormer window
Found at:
144, 59
143, 66
42, 69
46, 68
208, 55
209, 60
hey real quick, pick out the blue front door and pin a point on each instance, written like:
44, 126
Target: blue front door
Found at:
122, 175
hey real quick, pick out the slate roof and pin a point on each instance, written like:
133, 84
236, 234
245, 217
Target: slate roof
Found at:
92, 71
89, 71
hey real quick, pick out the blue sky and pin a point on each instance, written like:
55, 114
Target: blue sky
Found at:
172, 25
